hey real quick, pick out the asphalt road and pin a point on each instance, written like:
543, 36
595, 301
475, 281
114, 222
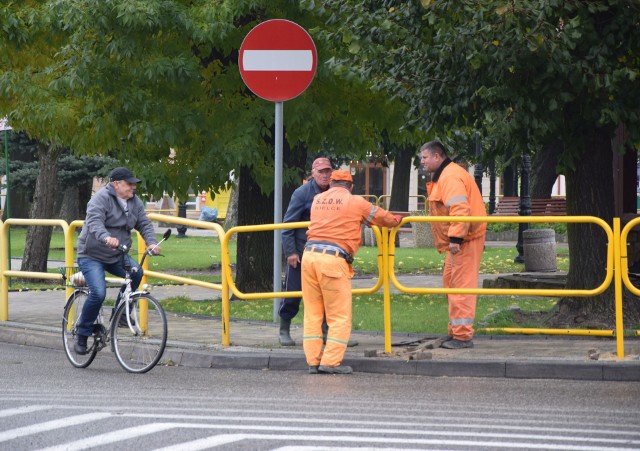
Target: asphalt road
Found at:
47, 404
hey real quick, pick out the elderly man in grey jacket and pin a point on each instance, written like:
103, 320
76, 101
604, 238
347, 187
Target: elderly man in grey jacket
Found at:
111, 215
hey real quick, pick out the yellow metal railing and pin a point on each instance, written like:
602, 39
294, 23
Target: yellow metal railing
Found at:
616, 267
226, 268
283, 294
5, 273
609, 275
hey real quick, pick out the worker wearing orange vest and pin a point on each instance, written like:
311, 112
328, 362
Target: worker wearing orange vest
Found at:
453, 192
333, 238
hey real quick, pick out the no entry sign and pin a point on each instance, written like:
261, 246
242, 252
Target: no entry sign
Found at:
277, 60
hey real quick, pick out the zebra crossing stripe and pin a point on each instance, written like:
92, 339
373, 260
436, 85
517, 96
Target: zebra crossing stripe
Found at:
113, 437
51, 425
21, 410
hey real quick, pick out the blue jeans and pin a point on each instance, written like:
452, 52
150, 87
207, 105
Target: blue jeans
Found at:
94, 274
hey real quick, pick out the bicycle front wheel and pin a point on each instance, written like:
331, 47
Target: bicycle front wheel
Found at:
72, 312
139, 340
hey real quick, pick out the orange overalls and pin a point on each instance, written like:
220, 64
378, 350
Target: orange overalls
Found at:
333, 237
453, 192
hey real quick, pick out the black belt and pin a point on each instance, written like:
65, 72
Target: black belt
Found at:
323, 249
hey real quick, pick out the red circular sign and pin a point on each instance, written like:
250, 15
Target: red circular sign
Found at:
277, 60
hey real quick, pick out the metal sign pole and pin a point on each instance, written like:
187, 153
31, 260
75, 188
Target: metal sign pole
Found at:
277, 209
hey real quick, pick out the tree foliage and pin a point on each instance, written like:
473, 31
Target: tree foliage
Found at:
527, 72
528, 75
156, 84
140, 78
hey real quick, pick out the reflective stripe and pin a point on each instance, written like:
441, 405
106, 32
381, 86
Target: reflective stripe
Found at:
337, 340
313, 337
456, 200
461, 321
372, 213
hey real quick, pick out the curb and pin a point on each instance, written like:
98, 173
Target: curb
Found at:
293, 360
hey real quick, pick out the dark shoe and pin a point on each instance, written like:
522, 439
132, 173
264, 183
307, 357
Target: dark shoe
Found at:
447, 338
352, 343
80, 344
123, 321
457, 344
340, 369
285, 333
313, 369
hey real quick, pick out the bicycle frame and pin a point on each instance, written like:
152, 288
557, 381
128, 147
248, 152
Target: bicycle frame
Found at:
140, 323
139, 348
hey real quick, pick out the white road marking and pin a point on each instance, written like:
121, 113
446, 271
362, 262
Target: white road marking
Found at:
207, 442
216, 440
21, 410
51, 425
277, 60
113, 437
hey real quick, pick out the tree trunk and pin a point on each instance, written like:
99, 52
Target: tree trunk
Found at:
69, 209
543, 170
36, 250
231, 219
590, 192
255, 250
400, 184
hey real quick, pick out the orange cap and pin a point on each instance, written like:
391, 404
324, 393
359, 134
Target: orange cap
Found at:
341, 175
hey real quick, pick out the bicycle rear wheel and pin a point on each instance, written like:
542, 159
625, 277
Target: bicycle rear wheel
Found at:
72, 311
139, 343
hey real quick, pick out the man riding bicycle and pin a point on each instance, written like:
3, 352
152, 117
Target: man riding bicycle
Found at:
111, 215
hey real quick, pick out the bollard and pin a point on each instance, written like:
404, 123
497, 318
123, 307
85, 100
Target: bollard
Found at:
540, 250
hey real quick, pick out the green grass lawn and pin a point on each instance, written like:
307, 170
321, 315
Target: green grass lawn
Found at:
200, 257
409, 313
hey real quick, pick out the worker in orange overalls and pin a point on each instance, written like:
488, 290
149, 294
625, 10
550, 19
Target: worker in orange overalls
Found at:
333, 239
453, 192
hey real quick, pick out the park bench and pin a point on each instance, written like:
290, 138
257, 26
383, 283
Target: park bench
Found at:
552, 206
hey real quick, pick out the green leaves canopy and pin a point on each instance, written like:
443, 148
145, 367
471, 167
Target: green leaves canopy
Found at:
138, 79
526, 72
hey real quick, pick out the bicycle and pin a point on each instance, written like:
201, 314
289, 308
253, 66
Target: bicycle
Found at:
137, 329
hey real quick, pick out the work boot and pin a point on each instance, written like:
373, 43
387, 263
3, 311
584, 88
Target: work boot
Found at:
457, 344
285, 333
340, 369
122, 322
80, 344
313, 369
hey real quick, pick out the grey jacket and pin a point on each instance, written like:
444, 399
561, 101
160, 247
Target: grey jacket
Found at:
105, 218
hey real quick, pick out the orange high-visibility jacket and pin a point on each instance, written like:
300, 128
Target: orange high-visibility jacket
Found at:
455, 193
336, 216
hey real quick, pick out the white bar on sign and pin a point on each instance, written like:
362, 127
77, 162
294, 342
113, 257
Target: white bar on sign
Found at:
277, 60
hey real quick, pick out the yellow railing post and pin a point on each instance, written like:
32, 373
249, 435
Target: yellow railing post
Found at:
227, 281
388, 248
617, 249
141, 249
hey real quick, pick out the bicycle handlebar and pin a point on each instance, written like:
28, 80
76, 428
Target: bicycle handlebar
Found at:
124, 249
